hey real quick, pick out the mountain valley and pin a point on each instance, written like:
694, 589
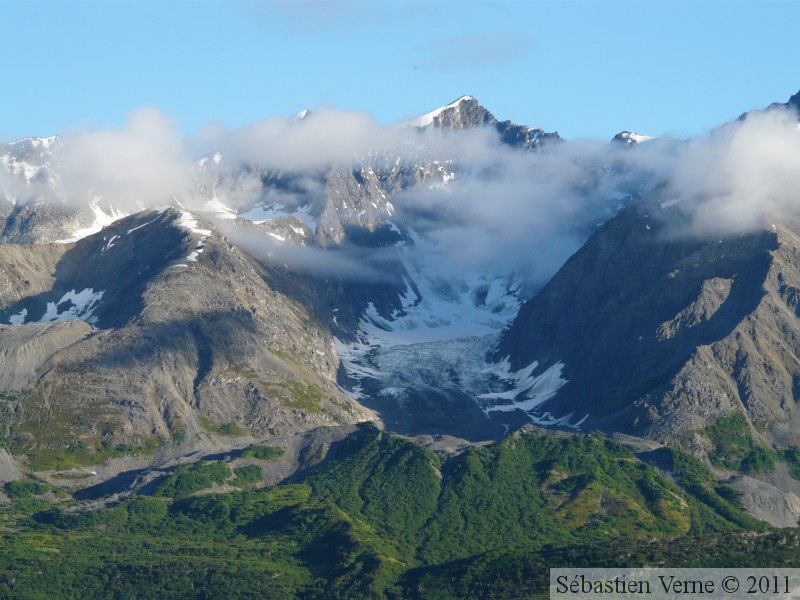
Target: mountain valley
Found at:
395, 368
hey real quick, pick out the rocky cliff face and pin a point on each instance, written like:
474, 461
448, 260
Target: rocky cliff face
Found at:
158, 327
661, 334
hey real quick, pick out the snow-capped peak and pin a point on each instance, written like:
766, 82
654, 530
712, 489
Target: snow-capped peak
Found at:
631, 137
303, 114
25, 158
36, 142
427, 118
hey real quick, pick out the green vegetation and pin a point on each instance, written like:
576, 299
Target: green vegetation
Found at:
248, 476
735, 449
188, 479
714, 505
232, 430
263, 452
283, 355
23, 489
792, 458
386, 518
305, 397
524, 572
81, 455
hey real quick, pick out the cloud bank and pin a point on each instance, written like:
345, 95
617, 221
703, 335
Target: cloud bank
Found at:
141, 164
517, 211
506, 209
741, 175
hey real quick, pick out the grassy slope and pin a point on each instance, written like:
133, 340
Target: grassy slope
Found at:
385, 518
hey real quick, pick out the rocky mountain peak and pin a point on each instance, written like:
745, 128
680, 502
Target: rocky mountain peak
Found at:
467, 112
301, 116
27, 159
462, 113
795, 101
630, 138
40, 145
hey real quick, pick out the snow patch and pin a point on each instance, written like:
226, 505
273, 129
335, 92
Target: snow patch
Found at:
187, 221
130, 231
198, 249
631, 137
217, 208
303, 114
527, 392
19, 319
109, 243
266, 212
101, 220
80, 306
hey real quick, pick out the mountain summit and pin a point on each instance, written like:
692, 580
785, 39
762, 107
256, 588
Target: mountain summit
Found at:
466, 112
459, 114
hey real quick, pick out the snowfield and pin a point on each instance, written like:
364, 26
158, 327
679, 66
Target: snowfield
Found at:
72, 306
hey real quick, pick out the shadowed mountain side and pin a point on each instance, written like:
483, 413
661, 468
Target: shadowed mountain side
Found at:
26, 271
203, 342
629, 309
339, 298
438, 409
119, 261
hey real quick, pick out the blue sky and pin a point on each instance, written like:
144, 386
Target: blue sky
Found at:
585, 69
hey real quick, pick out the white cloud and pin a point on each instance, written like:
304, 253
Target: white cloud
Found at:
331, 136
521, 210
142, 163
742, 174
732, 180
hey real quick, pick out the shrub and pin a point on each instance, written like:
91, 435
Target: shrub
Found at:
188, 479
23, 489
263, 452
249, 475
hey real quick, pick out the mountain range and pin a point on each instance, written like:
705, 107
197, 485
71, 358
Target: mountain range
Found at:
456, 278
